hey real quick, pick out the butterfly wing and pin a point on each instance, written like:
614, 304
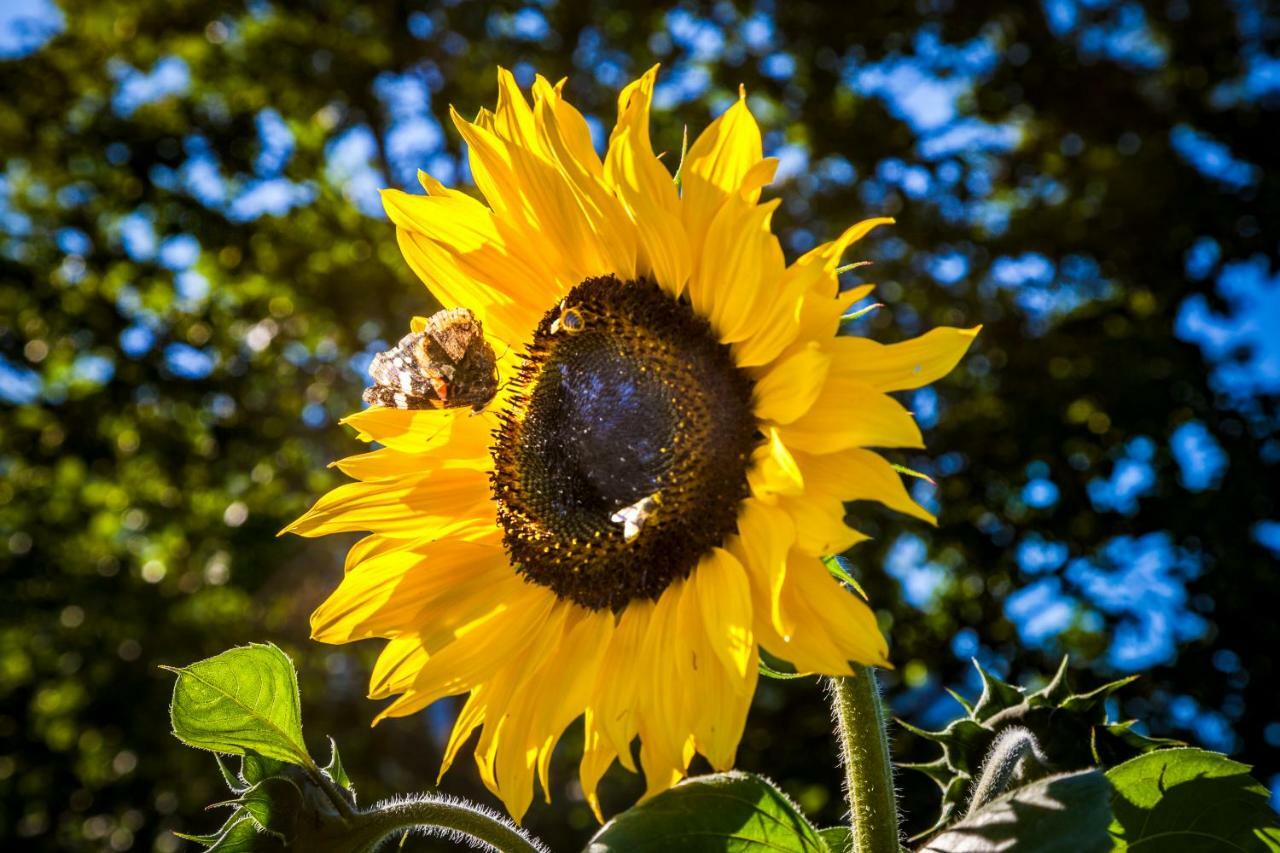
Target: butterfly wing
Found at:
405, 378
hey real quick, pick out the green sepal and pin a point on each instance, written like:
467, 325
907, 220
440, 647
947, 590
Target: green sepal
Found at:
274, 804
838, 571
1072, 728
335, 769
234, 782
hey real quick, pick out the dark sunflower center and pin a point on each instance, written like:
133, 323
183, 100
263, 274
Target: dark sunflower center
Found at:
623, 457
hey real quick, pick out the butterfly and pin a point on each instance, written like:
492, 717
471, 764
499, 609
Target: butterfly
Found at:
444, 363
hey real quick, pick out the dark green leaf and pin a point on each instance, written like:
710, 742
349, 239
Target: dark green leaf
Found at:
839, 839
1060, 814
243, 837
723, 813
1190, 799
274, 804
243, 699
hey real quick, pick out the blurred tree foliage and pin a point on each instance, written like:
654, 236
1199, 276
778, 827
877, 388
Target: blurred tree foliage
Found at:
193, 273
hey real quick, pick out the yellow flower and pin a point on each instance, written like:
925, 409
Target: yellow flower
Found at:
645, 502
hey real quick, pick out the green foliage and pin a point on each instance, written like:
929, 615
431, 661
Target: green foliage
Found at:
1073, 730
245, 702
723, 813
245, 699
1067, 813
1190, 799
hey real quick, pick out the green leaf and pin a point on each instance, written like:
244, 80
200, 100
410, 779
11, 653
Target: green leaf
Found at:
723, 813
1190, 799
243, 699
254, 767
1059, 814
839, 839
274, 804
334, 768
243, 837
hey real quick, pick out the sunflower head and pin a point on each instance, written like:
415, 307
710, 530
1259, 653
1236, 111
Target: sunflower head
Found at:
622, 456
675, 443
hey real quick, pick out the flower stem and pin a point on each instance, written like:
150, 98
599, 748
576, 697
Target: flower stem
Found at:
440, 816
864, 750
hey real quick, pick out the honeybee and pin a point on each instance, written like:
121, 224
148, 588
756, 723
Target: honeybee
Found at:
447, 363
633, 517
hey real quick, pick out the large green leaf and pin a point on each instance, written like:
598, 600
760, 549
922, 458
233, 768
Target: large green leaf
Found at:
1059, 814
1190, 799
245, 699
725, 813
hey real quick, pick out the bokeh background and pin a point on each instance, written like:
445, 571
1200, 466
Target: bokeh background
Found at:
195, 271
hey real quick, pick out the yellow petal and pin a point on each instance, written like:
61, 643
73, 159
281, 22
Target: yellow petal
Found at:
597, 756
849, 413
476, 656
458, 249
410, 430
450, 582
725, 599
606, 219
644, 185
389, 464
504, 755
773, 469
722, 678
613, 701
740, 257
856, 474
471, 717
397, 666
765, 536
716, 165
820, 525
411, 507
900, 367
780, 321
577, 664
789, 388
664, 722
838, 618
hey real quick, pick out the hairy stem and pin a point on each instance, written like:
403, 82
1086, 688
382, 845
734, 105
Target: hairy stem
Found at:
864, 750
440, 816
1015, 756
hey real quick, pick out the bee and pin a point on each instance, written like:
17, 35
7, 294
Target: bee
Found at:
633, 517
445, 362
570, 321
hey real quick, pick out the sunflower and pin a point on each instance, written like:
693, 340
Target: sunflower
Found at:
645, 503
